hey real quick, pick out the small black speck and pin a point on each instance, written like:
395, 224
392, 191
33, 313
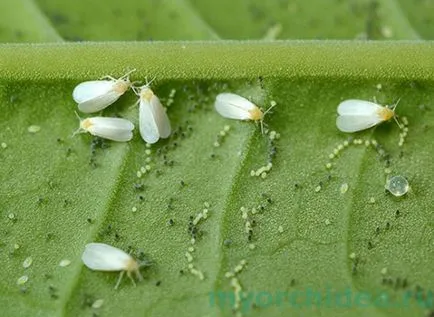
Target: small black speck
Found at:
387, 226
158, 283
269, 200
182, 183
292, 283
89, 220
181, 271
370, 245
141, 198
397, 213
171, 222
117, 236
377, 231
397, 282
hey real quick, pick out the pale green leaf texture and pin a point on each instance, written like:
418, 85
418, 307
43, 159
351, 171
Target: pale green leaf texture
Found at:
314, 249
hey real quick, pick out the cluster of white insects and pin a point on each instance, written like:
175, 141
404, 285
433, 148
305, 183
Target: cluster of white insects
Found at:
96, 95
92, 96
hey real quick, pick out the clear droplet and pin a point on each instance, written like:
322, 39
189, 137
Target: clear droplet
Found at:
397, 185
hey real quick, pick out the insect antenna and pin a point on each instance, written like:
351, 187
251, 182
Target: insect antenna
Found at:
395, 117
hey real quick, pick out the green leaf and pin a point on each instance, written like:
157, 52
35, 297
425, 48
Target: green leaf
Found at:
63, 194
312, 243
22, 21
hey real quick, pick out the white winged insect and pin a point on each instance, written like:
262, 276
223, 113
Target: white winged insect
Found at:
357, 115
153, 120
233, 106
104, 257
115, 129
93, 96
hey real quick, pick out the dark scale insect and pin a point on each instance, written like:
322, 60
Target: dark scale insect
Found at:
87, 301
404, 283
227, 242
